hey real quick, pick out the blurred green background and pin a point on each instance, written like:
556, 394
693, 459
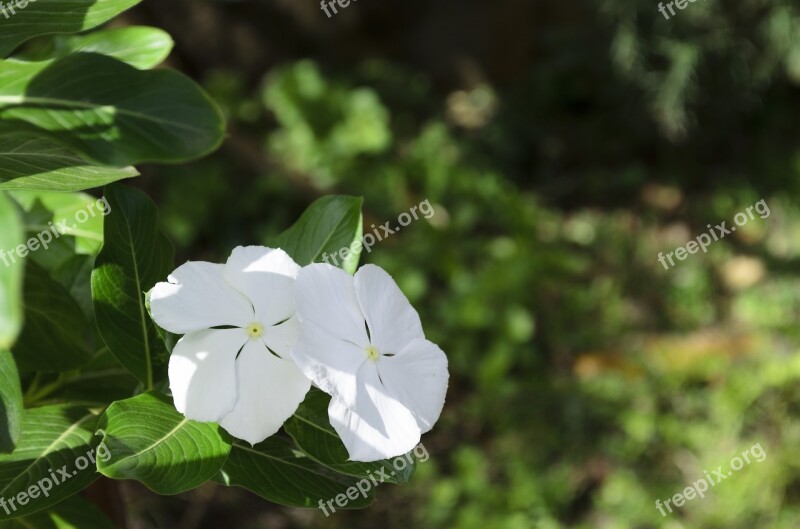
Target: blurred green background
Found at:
563, 145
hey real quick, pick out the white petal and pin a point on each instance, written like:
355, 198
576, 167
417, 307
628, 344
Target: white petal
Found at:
393, 322
326, 297
417, 377
196, 298
266, 277
331, 363
282, 338
379, 427
270, 390
202, 373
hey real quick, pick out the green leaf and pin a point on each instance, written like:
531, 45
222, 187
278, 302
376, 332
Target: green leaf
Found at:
75, 274
55, 335
278, 473
80, 213
311, 430
46, 17
99, 383
54, 453
10, 403
30, 161
58, 252
110, 111
74, 513
97, 388
11, 271
139, 46
328, 226
151, 442
136, 256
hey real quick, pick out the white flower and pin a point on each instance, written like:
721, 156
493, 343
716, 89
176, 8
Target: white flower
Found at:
234, 365
362, 342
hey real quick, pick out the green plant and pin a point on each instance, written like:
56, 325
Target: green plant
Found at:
83, 367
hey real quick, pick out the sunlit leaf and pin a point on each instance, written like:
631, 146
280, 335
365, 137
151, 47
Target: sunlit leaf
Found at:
10, 403
53, 460
11, 270
151, 442
110, 111
30, 161
329, 226
45, 17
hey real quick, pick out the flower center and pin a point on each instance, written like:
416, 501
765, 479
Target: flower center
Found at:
372, 353
255, 330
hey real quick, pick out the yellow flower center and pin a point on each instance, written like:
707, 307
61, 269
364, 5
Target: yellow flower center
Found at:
255, 330
372, 353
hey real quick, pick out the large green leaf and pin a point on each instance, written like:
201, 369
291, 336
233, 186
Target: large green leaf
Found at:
45, 17
312, 431
10, 403
139, 46
30, 161
11, 268
55, 336
151, 442
110, 111
328, 226
53, 460
74, 513
277, 472
135, 256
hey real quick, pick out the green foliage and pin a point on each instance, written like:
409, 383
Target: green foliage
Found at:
143, 437
311, 430
30, 161
748, 45
82, 213
139, 46
74, 513
328, 225
323, 124
55, 334
587, 381
52, 440
135, 257
11, 237
117, 114
277, 472
76, 111
151, 442
45, 17
10, 403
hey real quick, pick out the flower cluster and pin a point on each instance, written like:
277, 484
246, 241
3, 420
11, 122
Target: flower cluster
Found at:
259, 330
